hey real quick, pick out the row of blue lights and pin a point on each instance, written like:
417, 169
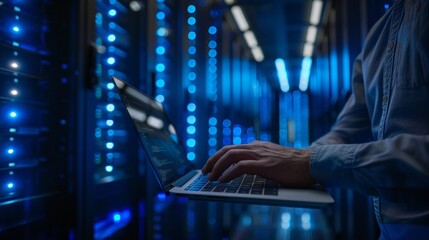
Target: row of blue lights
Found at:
191, 104
161, 82
161, 50
191, 65
108, 59
211, 87
13, 114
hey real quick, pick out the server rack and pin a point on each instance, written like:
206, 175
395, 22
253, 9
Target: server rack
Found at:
112, 202
35, 119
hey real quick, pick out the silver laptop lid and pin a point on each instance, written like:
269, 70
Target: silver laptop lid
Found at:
156, 133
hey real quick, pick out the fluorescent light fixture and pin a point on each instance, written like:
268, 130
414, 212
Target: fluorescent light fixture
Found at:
136, 6
308, 50
282, 74
257, 53
305, 74
316, 12
250, 38
229, 2
241, 21
311, 34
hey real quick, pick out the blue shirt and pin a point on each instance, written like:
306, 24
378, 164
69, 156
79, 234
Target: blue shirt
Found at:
380, 142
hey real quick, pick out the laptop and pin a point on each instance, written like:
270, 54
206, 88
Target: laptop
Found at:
177, 175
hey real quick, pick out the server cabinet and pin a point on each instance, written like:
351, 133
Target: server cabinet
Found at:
35, 113
109, 174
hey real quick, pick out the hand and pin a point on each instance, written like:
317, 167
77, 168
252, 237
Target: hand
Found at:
287, 166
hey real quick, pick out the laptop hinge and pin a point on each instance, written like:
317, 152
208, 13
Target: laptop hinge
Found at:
181, 181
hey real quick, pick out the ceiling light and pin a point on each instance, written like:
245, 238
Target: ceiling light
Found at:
316, 12
282, 74
311, 34
257, 53
229, 2
308, 50
305, 73
241, 21
250, 38
136, 6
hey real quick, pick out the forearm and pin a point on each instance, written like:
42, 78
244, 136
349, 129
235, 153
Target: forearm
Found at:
398, 163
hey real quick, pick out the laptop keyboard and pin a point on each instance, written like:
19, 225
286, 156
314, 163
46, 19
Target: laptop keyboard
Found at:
246, 184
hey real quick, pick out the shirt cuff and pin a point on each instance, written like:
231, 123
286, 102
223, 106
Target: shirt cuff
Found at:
332, 165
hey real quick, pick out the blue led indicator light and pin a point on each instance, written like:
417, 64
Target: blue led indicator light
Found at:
111, 60
212, 53
10, 151
160, 98
192, 35
212, 130
212, 142
160, 15
212, 30
213, 121
237, 131
192, 76
191, 9
386, 6
236, 140
192, 21
212, 44
191, 119
109, 122
192, 107
191, 156
162, 32
13, 114
10, 185
191, 142
161, 196
110, 86
160, 83
192, 50
160, 50
111, 72
160, 67
110, 107
109, 168
111, 38
226, 123
192, 63
110, 145
112, 12
116, 217
16, 29
191, 129
192, 89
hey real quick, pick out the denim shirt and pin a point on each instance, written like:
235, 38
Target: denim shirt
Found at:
380, 143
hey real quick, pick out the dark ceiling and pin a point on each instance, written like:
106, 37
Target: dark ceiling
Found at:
280, 27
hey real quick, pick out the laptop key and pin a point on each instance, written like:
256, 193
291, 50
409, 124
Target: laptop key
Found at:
231, 190
256, 192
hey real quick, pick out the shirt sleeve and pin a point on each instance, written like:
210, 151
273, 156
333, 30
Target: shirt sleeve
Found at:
349, 157
353, 124
374, 168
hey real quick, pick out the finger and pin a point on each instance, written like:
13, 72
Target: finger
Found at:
242, 167
231, 157
213, 159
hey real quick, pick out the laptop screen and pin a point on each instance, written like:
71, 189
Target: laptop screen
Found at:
156, 133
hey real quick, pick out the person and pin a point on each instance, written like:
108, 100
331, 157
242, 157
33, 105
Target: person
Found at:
379, 144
